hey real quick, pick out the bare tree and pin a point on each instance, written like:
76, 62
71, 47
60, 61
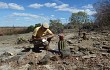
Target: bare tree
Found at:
102, 16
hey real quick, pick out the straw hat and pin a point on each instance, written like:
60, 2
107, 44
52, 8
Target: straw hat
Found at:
45, 25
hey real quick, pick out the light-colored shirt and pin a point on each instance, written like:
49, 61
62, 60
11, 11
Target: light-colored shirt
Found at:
38, 32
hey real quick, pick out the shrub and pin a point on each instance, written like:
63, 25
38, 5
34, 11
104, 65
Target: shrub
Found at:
21, 40
30, 28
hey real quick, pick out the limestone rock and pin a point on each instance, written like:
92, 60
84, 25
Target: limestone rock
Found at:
89, 56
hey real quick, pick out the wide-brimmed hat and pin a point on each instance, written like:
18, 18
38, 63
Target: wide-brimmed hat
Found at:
45, 25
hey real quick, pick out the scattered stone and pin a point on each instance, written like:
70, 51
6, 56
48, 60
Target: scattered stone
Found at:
85, 51
105, 42
92, 52
77, 53
103, 50
65, 53
74, 48
95, 38
31, 63
65, 63
69, 42
21, 53
23, 56
61, 67
74, 37
14, 58
84, 37
82, 49
105, 54
6, 54
24, 67
5, 43
105, 47
89, 56
55, 58
99, 65
29, 68
44, 60
108, 51
73, 66
6, 67
50, 67
97, 45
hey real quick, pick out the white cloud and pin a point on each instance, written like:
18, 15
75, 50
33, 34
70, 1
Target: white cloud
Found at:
25, 15
15, 6
89, 6
62, 18
62, 6
27, 18
3, 5
17, 19
90, 12
75, 10
52, 15
36, 5
11, 6
50, 4
58, 1
65, 7
30, 16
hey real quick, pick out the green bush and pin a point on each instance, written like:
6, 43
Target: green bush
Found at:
56, 26
37, 25
30, 28
21, 40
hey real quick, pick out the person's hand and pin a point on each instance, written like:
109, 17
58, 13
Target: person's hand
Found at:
44, 38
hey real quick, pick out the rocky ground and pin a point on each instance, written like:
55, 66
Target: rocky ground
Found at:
90, 54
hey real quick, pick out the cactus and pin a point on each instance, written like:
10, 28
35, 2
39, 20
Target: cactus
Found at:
61, 45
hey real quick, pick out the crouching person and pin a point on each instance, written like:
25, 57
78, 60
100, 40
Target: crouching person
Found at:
42, 36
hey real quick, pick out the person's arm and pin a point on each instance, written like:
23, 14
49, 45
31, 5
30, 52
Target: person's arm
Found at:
50, 34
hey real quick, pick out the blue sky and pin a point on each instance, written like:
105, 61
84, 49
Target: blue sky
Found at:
31, 12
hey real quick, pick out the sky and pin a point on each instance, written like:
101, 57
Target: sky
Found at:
31, 12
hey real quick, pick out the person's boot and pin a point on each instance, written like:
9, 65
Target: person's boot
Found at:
36, 49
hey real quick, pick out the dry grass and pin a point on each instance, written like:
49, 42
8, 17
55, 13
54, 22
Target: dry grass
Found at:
12, 30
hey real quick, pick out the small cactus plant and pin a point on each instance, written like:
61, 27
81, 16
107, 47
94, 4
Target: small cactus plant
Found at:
61, 43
